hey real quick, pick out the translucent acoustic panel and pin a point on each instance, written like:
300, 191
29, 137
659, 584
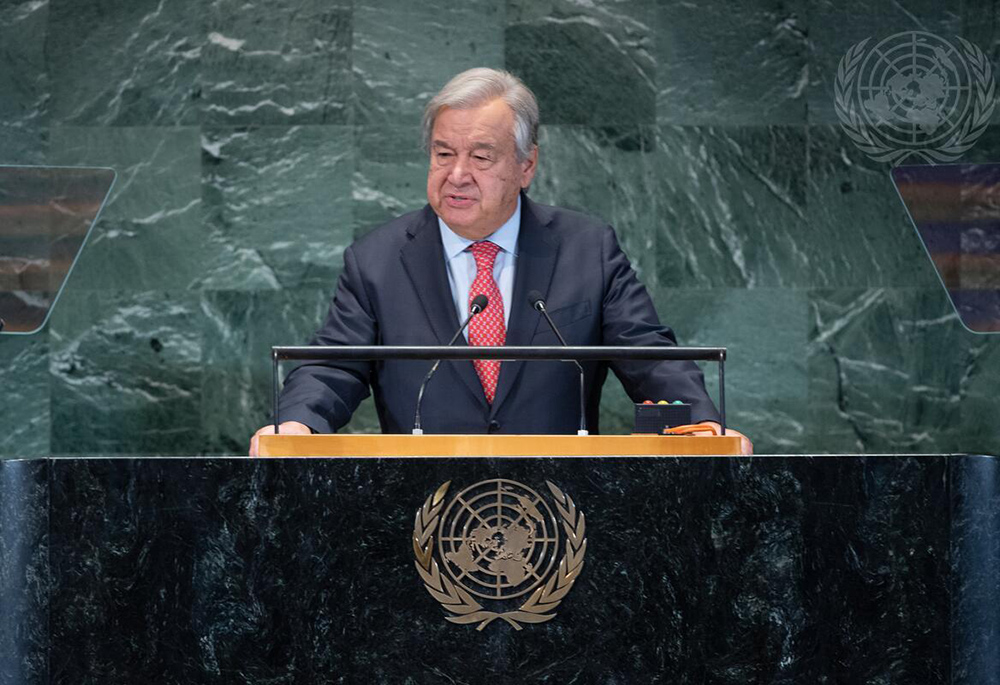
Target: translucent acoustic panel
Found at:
956, 211
46, 214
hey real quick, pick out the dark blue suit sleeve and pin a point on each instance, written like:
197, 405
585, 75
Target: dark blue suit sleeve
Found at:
321, 395
629, 318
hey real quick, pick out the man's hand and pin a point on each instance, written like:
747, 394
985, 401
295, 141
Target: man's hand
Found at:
286, 427
746, 447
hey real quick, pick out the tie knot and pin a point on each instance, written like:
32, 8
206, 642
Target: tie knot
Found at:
484, 252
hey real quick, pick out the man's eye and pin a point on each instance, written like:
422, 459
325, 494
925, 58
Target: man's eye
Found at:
481, 158
442, 155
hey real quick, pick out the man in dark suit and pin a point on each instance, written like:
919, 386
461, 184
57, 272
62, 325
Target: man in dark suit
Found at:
411, 282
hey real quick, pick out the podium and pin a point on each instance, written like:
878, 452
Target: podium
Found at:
697, 569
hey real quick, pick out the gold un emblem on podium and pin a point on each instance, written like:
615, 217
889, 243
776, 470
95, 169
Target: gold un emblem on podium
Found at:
498, 550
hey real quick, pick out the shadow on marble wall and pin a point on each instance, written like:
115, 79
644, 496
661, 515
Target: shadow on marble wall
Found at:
252, 150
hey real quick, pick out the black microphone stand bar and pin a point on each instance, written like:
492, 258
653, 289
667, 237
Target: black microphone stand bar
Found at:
507, 353
343, 353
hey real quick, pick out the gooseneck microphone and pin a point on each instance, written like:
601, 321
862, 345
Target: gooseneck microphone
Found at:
478, 304
538, 303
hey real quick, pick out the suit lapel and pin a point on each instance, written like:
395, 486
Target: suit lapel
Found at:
423, 260
536, 259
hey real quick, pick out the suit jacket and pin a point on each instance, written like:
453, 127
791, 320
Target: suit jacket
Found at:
394, 291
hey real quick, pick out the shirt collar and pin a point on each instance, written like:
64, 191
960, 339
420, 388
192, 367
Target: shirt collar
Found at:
504, 237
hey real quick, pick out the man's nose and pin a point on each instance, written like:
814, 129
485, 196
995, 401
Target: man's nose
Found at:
459, 172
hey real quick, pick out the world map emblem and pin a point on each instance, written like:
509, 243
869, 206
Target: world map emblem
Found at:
914, 95
499, 550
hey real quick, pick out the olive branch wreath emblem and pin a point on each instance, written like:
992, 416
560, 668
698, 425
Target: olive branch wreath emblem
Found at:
540, 604
963, 138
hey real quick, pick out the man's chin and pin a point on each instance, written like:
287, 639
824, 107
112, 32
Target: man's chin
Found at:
458, 220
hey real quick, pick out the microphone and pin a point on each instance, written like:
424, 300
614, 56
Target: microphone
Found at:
538, 303
478, 304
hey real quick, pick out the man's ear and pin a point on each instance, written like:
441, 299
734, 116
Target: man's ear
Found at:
528, 167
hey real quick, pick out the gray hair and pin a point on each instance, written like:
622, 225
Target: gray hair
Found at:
476, 87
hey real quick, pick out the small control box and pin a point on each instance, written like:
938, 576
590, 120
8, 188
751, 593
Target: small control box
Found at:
653, 418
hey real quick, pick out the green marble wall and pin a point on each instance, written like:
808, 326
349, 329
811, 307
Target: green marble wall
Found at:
254, 140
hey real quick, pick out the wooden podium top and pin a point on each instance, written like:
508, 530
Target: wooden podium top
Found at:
366, 445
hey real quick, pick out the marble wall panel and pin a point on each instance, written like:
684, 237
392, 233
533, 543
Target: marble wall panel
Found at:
24, 379
277, 62
766, 334
23, 145
254, 142
240, 328
980, 432
403, 52
390, 175
588, 62
889, 370
126, 373
858, 232
150, 235
731, 207
726, 63
24, 82
277, 203
617, 185
115, 63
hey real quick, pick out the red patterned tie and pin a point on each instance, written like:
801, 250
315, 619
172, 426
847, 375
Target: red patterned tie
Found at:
487, 327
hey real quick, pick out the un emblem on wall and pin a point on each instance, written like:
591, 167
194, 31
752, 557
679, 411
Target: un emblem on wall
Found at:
499, 550
914, 94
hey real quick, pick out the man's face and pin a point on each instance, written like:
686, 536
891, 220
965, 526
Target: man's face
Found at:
474, 177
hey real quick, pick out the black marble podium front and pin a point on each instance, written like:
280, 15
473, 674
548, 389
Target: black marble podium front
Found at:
832, 569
